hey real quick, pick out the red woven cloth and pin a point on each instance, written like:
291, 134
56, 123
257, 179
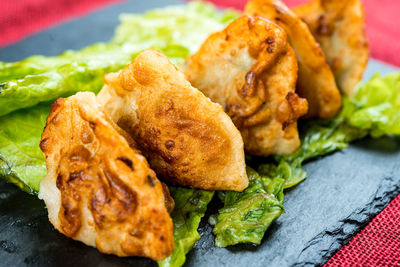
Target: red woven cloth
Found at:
20, 18
378, 244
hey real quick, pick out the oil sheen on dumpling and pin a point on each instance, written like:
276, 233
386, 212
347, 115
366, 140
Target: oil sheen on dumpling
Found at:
187, 139
250, 69
98, 189
316, 82
339, 28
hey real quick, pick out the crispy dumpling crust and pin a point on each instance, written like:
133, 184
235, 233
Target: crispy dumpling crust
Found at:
98, 189
339, 28
250, 69
187, 139
315, 82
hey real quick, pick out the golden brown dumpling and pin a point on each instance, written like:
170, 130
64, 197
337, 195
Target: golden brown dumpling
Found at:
316, 82
98, 189
250, 69
187, 139
339, 28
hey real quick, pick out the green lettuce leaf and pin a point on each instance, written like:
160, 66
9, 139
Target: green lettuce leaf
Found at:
39, 79
190, 207
247, 215
40, 64
21, 160
377, 105
171, 28
292, 173
63, 81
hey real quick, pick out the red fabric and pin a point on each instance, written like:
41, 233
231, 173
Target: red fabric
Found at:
382, 25
20, 18
378, 244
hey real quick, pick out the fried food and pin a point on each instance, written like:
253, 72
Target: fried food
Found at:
339, 28
187, 139
98, 189
316, 82
250, 69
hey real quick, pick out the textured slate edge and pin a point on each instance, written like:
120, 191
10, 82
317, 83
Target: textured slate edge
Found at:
320, 248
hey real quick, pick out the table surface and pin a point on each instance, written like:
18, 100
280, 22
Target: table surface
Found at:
342, 193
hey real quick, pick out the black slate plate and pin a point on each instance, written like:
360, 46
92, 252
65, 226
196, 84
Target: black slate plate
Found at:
342, 193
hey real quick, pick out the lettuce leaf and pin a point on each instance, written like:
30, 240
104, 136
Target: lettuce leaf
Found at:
247, 215
377, 105
38, 79
21, 160
171, 28
40, 64
190, 207
63, 81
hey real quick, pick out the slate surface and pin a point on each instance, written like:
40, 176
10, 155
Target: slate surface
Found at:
342, 193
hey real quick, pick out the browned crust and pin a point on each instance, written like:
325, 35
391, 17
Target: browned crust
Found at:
98, 173
187, 139
262, 69
339, 28
315, 82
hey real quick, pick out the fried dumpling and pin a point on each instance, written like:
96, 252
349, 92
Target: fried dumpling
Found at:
250, 69
187, 139
339, 28
316, 82
98, 189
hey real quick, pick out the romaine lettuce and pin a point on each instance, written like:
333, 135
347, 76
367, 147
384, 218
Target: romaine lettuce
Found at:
63, 81
190, 207
377, 105
21, 161
247, 215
